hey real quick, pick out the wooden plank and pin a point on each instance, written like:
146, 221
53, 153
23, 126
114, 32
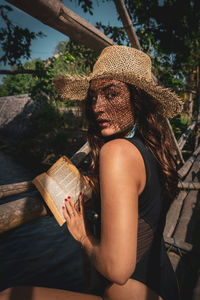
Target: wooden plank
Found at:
177, 245
15, 188
173, 214
175, 209
56, 15
189, 185
186, 134
183, 232
14, 214
186, 167
174, 258
182, 229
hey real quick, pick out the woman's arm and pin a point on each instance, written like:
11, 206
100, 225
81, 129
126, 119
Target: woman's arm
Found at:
122, 179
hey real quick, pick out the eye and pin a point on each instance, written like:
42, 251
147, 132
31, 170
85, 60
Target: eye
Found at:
110, 95
93, 99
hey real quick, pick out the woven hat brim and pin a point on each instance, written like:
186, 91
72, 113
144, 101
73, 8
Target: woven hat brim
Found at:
76, 88
72, 87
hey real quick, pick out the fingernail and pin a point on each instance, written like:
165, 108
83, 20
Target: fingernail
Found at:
65, 200
68, 197
63, 207
80, 194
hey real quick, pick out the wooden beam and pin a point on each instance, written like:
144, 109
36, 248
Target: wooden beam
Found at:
177, 245
189, 185
186, 134
127, 23
14, 214
21, 71
15, 188
174, 142
175, 210
56, 15
186, 167
185, 222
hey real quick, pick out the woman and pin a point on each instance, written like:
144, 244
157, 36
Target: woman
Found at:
134, 174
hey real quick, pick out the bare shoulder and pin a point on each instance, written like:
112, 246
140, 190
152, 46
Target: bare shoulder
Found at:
120, 149
121, 161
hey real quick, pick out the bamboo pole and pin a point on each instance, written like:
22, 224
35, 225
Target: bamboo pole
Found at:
174, 214
127, 23
56, 15
176, 245
186, 134
174, 141
15, 188
22, 211
183, 231
189, 185
186, 167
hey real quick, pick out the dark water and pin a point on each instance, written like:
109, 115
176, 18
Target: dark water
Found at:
38, 253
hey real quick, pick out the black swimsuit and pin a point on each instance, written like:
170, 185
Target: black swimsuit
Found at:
153, 267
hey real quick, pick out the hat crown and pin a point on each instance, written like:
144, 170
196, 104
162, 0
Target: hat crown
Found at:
122, 59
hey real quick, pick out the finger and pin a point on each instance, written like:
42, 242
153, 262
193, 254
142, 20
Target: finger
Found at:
65, 214
73, 205
69, 207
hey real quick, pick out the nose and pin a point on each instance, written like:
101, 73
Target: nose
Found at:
99, 104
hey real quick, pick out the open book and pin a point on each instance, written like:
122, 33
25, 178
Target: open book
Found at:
63, 179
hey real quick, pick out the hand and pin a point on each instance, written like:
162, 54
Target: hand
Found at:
75, 219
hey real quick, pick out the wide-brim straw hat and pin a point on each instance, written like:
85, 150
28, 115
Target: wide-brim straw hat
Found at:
125, 64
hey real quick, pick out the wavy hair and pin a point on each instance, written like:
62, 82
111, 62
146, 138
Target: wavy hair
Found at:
152, 129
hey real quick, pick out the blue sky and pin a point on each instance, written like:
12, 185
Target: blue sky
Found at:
44, 47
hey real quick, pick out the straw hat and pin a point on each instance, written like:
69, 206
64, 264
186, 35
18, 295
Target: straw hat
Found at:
125, 64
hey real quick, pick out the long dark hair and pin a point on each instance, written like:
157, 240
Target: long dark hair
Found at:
151, 127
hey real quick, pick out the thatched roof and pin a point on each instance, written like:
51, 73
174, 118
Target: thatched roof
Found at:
15, 113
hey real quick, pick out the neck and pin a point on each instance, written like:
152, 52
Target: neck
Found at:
128, 133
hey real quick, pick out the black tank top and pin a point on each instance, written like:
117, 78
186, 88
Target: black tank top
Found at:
153, 267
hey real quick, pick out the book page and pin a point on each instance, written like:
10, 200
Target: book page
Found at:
53, 195
63, 179
68, 178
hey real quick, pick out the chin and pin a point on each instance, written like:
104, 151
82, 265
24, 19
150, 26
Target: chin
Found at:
108, 132
112, 132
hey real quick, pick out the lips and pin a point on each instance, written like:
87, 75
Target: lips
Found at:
103, 122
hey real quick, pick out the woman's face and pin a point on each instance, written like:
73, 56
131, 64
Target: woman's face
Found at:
112, 107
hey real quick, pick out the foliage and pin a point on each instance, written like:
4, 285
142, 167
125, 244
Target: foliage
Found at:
117, 34
86, 5
79, 58
19, 83
15, 41
180, 124
74, 58
169, 31
51, 133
